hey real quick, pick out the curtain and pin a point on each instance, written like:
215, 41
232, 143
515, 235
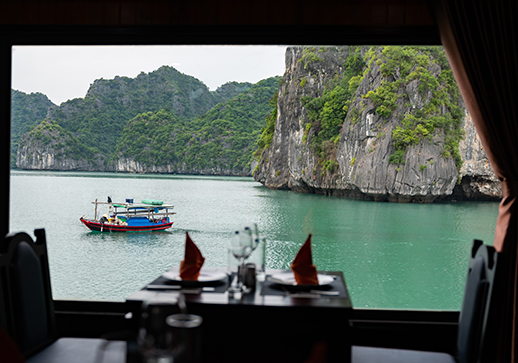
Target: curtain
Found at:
481, 42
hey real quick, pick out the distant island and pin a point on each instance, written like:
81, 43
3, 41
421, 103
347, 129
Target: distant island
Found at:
159, 122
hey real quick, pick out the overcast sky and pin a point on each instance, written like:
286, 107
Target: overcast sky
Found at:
63, 72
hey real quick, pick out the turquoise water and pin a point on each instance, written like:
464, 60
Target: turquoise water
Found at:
395, 256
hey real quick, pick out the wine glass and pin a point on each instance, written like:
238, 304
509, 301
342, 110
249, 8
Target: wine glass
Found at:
241, 246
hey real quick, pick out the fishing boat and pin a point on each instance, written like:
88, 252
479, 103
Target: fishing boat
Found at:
148, 216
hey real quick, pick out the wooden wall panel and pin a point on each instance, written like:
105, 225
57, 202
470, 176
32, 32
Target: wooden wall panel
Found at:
215, 12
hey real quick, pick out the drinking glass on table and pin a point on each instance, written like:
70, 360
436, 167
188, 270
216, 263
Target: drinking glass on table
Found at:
154, 336
186, 333
258, 255
241, 246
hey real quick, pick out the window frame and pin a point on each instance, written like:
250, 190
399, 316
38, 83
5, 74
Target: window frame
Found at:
96, 318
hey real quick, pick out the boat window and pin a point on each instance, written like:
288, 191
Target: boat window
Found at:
119, 151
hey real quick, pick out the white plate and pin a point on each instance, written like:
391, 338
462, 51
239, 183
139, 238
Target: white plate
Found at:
288, 278
205, 276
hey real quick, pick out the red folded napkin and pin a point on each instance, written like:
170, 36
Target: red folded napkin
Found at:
192, 261
303, 269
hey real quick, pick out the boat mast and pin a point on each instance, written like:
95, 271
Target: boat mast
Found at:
95, 214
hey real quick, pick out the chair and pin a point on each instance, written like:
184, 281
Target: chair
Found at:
27, 310
474, 338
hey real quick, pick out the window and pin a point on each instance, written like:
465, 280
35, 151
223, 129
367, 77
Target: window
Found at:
402, 256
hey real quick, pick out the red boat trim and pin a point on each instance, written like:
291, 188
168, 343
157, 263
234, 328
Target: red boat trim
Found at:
107, 227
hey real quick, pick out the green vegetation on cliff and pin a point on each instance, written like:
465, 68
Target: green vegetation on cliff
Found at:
153, 138
222, 139
99, 118
27, 110
402, 65
50, 135
309, 56
327, 112
230, 90
267, 131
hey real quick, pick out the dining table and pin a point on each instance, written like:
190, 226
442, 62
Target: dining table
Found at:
275, 320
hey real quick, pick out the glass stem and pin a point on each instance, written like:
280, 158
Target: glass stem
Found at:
241, 274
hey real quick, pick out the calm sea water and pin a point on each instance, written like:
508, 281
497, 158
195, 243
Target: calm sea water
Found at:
397, 256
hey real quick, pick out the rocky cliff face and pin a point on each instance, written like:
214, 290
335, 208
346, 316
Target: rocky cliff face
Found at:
47, 158
50, 147
131, 166
478, 181
403, 146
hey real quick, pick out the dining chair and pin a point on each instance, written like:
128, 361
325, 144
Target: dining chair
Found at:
474, 337
27, 313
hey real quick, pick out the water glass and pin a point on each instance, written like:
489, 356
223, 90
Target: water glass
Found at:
232, 271
154, 336
241, 246
232, 263
186, 337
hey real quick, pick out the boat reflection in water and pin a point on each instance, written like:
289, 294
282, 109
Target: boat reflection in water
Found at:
149, 215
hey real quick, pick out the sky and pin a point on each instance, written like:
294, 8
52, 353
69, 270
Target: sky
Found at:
66, 72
